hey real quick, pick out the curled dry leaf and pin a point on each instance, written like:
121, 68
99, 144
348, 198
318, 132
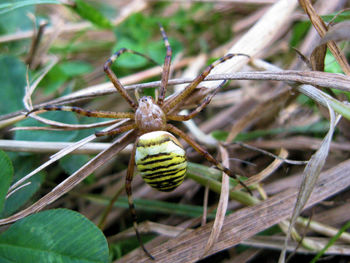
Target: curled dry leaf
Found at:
317, 57
337, 32
222, 207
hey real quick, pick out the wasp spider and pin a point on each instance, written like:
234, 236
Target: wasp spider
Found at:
157, 154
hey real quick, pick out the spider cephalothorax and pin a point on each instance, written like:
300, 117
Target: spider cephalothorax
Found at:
158, 155
149, 116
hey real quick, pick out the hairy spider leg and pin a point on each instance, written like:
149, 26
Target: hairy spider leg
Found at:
169, 105
205, 154
125, 128
197, 110
166, 67
85, 112
128, 181
120, 88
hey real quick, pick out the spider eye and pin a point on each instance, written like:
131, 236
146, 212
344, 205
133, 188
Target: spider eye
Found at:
146, 99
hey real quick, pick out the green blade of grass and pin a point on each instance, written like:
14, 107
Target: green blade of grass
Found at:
331, 242
91, 14
154, 205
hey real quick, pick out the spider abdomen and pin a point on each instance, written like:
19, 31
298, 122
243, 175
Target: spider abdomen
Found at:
161, 160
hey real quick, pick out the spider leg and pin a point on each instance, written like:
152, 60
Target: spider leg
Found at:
120, 88
204, 153
204, 103
129, 177
189, 89
115, 131
84, 112
166, 67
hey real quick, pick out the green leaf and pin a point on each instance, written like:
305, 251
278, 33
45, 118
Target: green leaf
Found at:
22, 165
62, 73
50, 136
53, 80
12, 75
154, 49
58, 235
16, 20
343, 16
71, 163
128, 60
157, 50
331, 64
75, 68
7, 7
138, 33
137, 27
149, 92
88, 120
299, 31
90, 13
6, 175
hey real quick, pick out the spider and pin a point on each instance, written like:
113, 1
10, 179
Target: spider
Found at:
157, 154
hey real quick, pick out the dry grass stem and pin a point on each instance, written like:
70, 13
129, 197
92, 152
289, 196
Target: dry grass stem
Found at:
323, 229
54, 147
275, 242
321, 79
222, 206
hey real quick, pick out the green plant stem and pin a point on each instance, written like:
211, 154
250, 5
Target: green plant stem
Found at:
208, 176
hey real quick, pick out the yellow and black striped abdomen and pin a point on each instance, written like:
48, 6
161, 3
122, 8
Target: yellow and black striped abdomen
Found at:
161, 160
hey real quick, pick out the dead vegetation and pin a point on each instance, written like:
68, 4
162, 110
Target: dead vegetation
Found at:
282, 123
